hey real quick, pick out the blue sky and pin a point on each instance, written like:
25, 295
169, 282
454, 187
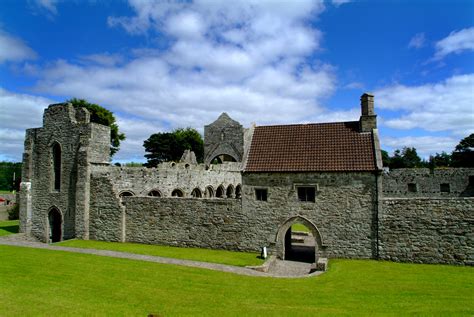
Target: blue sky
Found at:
161, 65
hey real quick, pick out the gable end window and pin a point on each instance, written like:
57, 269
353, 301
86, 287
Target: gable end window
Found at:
307, 194
261, 194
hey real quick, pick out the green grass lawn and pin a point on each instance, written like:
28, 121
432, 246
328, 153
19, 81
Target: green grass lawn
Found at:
299, 227
36, 282
214, 256
8, 227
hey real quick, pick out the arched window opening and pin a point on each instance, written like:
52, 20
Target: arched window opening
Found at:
57, 166
220, 192
55, 224
238, 191
196, 193
126, 194
154, 193
209, 192
177, 193
219, 159
300, 244
230, 191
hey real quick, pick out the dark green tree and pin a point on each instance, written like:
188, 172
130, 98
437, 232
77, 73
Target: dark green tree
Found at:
169, 146
442, 159
10, 174
103, 116
385, 158
463, 154
405, 158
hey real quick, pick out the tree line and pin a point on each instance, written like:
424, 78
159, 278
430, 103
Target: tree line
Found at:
461, 156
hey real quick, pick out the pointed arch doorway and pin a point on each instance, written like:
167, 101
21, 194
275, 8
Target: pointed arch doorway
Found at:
54, 225
298, 239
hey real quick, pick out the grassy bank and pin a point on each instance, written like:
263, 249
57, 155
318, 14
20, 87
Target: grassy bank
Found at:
37, 282
214, 256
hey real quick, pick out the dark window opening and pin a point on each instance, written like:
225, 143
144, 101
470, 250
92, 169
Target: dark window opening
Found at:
261, 194
307, 194
230, 191
444, 188
412, 188
177, 193
471, 181
196, 193
54, 218
238, 191
220, 192
209, 192
57, 166
154, 193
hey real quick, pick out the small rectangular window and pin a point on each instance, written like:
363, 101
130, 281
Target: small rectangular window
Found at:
444, 188
471, 180
412, 188
307, 194
261, 194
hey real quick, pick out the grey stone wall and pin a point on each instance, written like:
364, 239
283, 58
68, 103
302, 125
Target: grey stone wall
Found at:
80, 142
427, 230
190, 222
428, 182
170, 176
223, 136
343, 211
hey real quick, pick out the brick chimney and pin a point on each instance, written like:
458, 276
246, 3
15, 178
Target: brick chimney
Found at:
368, 118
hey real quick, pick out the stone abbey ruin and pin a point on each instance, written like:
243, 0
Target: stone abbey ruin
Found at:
326, 176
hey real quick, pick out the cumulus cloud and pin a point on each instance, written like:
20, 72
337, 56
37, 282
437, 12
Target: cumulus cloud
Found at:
18, 112
417, 41
425, 145
443, 106
14, 49
248, 58
456, 42
337, 3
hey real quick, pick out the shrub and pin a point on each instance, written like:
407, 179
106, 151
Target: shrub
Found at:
14, 212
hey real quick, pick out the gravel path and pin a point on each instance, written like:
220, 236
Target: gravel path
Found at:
279, 268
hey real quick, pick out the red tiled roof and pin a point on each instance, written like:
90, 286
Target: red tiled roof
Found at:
310, 148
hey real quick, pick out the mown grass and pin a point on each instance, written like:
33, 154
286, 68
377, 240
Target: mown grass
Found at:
213, 256
36, 282
8, 227
299, 227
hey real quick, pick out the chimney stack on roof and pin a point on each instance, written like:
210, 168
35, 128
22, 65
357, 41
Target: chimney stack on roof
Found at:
368, 118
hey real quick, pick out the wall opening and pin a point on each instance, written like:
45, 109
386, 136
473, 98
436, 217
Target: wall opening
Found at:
219, 159
412, 188
56, 166
209, 192
126, 194
220, 192
444, 188
230, 191
154, 193
55, 224
177, 193
298, 239
300, 244
196, 193
307, 194
261, 194
238, 191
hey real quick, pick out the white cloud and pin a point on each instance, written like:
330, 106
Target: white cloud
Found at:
105, 59
337, 3
456, 42
48, 5
18, 112
14, 49
443, 106
424, 145
417, 41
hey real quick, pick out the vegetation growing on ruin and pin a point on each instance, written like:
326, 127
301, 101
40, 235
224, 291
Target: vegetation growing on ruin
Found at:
36, 282
103, 116
205, 255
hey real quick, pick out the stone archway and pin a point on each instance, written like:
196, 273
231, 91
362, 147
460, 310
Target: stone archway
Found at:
55, 221
283, 238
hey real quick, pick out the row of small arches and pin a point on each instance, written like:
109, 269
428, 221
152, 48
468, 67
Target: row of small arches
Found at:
220, 192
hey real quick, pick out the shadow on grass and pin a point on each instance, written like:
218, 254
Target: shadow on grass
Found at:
11, 229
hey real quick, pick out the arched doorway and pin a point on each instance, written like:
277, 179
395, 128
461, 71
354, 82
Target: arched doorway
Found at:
298, 239
54, 225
